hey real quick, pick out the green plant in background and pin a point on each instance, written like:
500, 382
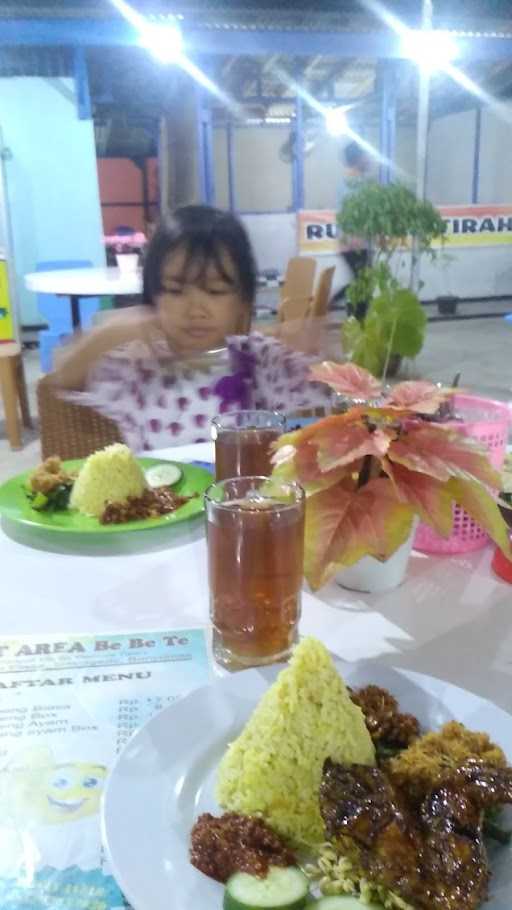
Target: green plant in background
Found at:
390, 320
394, 325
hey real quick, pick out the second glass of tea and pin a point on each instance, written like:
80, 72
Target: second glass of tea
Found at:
255, 534
243, 441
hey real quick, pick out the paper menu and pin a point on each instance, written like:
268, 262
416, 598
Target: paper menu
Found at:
68, 705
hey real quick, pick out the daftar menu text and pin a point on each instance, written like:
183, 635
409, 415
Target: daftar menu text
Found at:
68, 705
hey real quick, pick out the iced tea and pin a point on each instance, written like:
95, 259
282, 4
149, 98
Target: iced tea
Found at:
243, 443
255, 563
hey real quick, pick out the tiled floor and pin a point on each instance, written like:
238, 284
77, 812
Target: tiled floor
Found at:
481, 349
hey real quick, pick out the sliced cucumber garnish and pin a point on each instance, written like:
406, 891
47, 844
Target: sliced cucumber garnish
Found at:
163, 475
282, 889
344, 903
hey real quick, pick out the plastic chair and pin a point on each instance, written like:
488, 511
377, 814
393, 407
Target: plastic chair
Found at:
55, 309
297, 289
323, 292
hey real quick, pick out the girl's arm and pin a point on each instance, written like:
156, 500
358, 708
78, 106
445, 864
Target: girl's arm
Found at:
76, 360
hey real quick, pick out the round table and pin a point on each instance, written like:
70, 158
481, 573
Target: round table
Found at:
78, 283
452, 618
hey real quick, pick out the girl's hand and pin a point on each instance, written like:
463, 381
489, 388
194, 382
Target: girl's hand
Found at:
121, 327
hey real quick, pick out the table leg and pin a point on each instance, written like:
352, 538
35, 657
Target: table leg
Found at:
22, 393
75, 311
9, 394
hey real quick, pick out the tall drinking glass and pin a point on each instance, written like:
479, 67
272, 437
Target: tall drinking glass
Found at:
243, 442
255, 534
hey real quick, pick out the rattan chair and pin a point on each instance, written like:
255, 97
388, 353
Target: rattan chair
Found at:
70, 430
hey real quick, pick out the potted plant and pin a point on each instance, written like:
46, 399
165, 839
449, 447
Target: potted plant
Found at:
393, 328
370, 472
127, 257
397, 228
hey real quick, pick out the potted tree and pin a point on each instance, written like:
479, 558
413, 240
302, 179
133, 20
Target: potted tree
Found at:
371, 472
396, 228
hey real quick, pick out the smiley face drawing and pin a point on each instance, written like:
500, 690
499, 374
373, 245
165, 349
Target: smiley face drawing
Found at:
50, 793
70, 791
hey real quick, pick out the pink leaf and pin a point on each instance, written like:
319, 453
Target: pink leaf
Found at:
347, 379
342, 526
430, 498
443, 453
421, 397
348, 444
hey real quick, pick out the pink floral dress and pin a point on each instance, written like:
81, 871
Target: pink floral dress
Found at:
158, 401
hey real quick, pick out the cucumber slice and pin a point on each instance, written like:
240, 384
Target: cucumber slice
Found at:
282, 889
344, 903
163, 475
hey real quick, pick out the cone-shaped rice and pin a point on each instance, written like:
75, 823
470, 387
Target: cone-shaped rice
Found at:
275, 766
110, 475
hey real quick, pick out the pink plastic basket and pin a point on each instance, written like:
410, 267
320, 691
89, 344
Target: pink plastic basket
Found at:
488, 421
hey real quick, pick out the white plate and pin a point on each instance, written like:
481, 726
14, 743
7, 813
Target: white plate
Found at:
166, 776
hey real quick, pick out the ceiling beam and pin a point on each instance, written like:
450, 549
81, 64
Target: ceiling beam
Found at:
118, 32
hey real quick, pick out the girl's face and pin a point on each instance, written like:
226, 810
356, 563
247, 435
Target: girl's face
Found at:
199, 306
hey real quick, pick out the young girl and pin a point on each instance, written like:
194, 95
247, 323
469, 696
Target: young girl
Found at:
164, 370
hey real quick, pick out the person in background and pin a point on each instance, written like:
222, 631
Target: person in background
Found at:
163, 370
356, 170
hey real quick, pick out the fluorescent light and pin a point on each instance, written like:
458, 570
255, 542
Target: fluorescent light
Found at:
336, 121
431, 50
163, 41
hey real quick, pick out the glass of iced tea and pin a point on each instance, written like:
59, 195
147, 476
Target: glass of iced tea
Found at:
243, 442
255, 534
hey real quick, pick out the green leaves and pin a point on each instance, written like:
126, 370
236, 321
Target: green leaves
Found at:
387, 214
395, 323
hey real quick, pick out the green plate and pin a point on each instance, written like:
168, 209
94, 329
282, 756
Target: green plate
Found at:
15, 506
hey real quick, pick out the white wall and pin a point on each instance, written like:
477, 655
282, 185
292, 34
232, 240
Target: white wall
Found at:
51, 179
323, 173
262, 181
405, 154
274, 238
451, 150
220, 168
495, 165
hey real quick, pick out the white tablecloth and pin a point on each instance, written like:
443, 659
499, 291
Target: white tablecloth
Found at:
451, 618
85, 282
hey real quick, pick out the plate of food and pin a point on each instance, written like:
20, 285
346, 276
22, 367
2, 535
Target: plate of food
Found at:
111, 491
345, 786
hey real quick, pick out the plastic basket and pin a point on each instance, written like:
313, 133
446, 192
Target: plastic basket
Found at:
488, 421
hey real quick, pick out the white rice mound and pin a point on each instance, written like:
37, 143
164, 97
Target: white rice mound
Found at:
275, 766
110, 475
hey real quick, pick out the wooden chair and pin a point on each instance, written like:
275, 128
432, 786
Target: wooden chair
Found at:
14, 392
70, 430
297, 289
323, 292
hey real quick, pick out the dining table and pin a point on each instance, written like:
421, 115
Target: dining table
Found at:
76, 284
451, 618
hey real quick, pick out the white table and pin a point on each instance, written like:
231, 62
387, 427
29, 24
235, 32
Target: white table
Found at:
78, 283
452, 618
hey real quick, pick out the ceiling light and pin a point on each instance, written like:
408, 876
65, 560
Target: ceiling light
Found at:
336, 121
431, 50
164, 42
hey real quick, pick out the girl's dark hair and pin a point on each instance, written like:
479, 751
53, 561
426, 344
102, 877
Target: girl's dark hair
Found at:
204, 233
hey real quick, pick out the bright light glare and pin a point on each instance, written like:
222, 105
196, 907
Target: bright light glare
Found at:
432, 50
164, 42
336, 121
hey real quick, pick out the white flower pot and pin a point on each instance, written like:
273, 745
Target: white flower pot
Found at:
373, 576
127, 262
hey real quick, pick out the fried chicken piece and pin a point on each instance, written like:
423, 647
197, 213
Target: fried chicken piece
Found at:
434, 858
385, 722
49, 475
428, 761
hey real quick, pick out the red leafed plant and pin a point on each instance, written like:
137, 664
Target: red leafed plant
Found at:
368, 472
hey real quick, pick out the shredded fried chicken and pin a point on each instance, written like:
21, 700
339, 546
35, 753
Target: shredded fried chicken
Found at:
49, 475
